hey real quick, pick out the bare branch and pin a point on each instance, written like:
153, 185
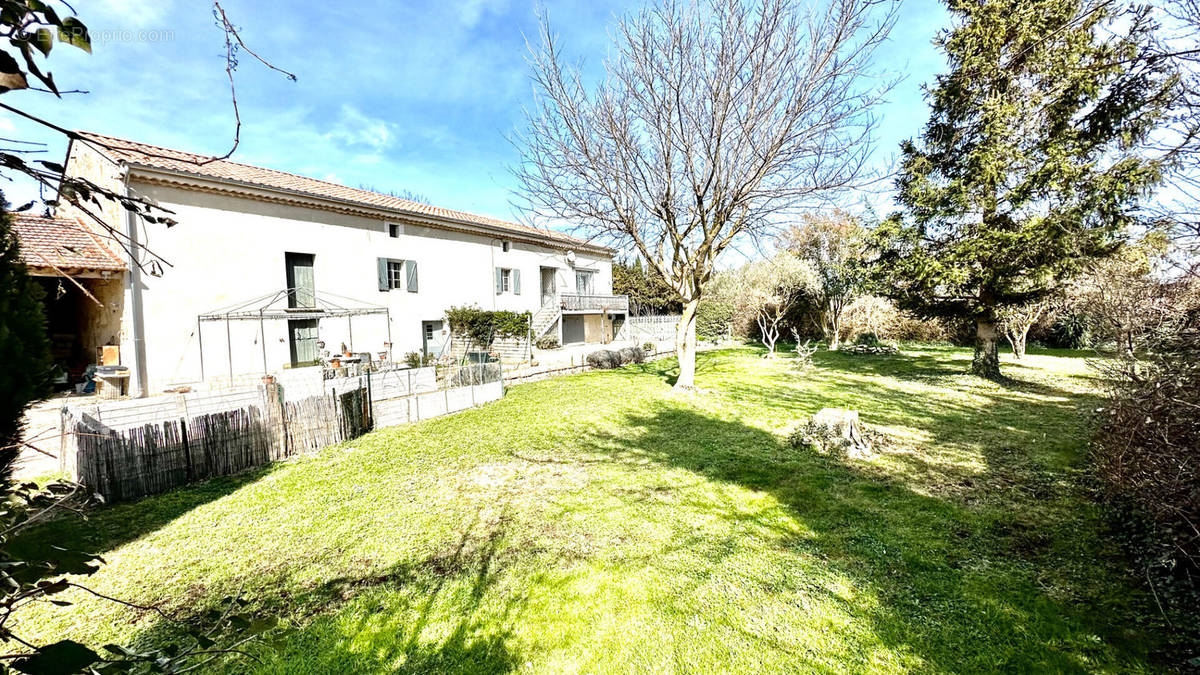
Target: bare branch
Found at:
714, 119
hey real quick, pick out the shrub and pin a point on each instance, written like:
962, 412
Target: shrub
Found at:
869, 343
873, 314
804, 352
817, 437
838, 433
604, 359
869, 314
868, 339
631, 355
547, 342
714, 319
1145, 452
909, 328
1069, 330
483, 326
648, 347
413, 359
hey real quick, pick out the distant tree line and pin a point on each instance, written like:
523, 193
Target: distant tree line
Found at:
648, 293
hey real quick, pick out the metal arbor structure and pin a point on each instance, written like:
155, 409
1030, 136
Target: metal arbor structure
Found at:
278, 306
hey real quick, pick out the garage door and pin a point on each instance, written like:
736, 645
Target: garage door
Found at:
572, 329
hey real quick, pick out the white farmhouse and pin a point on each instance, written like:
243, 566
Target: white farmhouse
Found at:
266, 269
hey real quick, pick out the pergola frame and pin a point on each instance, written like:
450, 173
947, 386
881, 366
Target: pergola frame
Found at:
274, 307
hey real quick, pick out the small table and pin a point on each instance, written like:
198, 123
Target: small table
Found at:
111, 384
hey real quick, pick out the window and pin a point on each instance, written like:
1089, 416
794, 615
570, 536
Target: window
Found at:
395, 274
298, 269
508, 280
504, 246
429, 331
584, 282
393, 230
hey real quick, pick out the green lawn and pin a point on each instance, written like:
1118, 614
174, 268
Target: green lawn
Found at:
598, 523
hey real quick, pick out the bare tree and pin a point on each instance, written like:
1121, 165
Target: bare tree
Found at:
1015, 322
1126, 299
1178, 207
410, 195
714, 118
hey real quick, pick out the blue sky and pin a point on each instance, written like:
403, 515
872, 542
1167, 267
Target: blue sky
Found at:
416, 96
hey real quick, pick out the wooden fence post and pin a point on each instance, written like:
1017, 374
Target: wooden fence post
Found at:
62, 439
276, 415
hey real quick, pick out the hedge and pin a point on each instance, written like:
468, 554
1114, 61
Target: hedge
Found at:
483, 326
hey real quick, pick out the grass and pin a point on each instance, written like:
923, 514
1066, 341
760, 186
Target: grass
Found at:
599, 523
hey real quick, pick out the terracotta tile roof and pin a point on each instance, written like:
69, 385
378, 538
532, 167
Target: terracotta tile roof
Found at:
200, 165
65, 244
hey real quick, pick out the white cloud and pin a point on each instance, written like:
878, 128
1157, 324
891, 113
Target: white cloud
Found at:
133, 13
471, 11
354, 128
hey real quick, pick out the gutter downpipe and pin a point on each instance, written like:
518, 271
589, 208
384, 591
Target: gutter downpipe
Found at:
135, 296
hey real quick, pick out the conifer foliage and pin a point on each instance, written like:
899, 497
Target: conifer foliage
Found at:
24, 346
1029, 164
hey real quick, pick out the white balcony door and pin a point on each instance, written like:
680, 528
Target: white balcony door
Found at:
584, 282
548, 289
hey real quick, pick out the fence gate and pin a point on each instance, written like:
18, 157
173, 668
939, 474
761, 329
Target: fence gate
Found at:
355, 409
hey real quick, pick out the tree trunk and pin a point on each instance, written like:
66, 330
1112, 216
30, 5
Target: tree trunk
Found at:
987, 353
770, 333
1018, 340
835, 337
685, 346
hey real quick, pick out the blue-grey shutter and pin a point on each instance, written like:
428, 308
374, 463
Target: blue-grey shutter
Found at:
516, 282
410, 270
383, 275
499, 281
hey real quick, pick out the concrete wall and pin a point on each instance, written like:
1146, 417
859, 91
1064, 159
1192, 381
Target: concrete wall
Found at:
228, 249
101, 324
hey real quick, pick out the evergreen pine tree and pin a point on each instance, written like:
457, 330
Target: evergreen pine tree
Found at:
24, 346
1029, 164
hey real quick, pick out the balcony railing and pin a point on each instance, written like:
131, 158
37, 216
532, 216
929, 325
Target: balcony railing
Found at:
574, 302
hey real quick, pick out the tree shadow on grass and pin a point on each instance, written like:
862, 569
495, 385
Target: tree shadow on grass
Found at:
905, 365
109, 527
960, 588
433, 615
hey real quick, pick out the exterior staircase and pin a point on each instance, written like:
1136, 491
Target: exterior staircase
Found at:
545, 317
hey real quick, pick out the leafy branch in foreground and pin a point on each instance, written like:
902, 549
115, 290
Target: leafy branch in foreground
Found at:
31, 28
46, 575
